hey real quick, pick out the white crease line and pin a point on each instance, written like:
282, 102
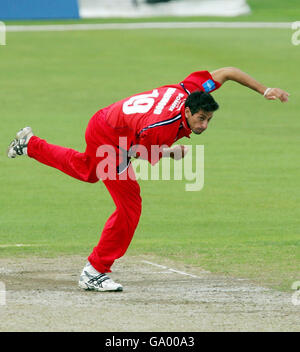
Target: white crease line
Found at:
144, 25
158, 265
169, 269
18, 245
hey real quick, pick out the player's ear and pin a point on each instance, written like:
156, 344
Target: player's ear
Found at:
187, 111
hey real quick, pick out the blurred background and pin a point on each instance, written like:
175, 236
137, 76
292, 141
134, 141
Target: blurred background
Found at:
45, 9
154, 10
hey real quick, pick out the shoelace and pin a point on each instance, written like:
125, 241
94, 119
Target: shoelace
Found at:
99, 279
19, 146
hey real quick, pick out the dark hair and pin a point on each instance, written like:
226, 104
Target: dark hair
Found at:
199, 100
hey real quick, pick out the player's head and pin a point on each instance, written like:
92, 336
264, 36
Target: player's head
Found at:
199, 109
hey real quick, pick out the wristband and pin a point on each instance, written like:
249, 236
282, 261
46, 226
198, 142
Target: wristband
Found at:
267, 91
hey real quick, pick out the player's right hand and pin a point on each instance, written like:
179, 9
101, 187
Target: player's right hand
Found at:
277, 93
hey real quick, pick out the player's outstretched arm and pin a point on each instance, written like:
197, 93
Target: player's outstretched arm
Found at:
234, 74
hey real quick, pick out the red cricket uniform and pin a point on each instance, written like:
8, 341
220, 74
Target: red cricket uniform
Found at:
151, 118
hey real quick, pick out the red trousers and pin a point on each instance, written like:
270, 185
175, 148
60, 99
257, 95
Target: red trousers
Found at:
125, 191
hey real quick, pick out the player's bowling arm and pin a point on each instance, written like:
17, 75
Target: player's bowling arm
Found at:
234, 74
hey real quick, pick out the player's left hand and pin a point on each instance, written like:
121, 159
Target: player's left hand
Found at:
179, 151
277, 93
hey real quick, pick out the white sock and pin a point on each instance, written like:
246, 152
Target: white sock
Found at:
90, 269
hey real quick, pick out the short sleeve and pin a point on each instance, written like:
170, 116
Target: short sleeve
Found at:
200, 80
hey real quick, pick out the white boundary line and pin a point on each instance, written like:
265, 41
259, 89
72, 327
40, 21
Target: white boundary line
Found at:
169, 269
144, 25
18, 245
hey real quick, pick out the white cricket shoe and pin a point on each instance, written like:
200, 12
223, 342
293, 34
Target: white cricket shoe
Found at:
19, 145
91, 279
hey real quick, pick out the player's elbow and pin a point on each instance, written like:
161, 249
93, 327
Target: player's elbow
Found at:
233, 73
224, 74
229, 72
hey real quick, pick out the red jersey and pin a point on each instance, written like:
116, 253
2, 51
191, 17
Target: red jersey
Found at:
157, 117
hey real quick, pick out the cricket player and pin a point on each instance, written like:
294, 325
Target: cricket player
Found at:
130, 128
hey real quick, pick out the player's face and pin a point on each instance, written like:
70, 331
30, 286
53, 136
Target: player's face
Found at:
199, 121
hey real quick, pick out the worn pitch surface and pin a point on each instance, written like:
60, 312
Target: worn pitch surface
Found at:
42, 295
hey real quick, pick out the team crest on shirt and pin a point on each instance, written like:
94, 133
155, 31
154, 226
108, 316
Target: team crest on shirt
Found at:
209, 85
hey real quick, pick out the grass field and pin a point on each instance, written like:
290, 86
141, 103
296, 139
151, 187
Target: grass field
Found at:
245, 222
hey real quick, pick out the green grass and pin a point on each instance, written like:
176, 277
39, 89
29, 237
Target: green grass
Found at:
245, 222
261, 10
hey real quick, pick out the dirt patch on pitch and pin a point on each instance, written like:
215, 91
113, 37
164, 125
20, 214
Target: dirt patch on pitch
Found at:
42, 295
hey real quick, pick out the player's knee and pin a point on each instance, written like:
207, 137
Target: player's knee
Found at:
131, 210
135, 205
